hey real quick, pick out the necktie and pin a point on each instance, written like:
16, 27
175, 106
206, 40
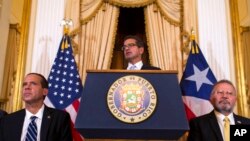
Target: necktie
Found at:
32, 130
132, 67
226, 129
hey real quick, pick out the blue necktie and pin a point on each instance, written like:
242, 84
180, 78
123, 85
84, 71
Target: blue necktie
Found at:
32, 130
132, 67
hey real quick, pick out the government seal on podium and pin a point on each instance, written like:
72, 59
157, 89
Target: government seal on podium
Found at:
131, 99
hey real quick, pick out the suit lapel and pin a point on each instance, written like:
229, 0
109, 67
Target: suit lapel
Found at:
237, 120
45, 123
19, 124
215, 126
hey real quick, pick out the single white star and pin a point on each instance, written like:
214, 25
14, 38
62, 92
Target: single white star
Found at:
61, 102
63, 80
64, 73
69, 89
77, 90
199, 77
62, 94
63, 87
69, 96
70, 81
51, 77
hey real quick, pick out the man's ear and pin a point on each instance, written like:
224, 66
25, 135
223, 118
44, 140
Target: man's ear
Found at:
45, 91
141, 50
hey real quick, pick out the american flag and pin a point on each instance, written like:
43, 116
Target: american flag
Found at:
196, 84
65, 85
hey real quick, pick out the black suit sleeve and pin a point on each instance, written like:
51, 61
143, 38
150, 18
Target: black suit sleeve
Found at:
147, 67
56, 126
194, 132
2, 113
66, 129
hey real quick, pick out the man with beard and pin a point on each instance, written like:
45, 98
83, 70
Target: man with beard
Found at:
133, 48
210, 127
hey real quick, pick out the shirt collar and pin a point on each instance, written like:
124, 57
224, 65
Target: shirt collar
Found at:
39, 114
138, 65
221, 117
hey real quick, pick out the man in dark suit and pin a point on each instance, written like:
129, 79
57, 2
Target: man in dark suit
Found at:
210, 127
133, 48
51, 124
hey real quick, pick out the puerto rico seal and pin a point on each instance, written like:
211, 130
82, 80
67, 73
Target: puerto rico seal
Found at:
131, 99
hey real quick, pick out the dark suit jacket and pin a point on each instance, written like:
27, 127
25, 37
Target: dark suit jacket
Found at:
2, 113
147, 67
56, 126
206, 127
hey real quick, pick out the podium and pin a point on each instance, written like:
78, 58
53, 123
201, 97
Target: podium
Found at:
159, 112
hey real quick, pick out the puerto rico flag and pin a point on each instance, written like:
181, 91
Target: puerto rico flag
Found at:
196, 84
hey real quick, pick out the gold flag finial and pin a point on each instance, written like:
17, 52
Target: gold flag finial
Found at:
66, 25
194, 47
192, 34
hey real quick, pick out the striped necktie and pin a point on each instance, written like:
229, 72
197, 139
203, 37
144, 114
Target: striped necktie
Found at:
32, 130
226, 129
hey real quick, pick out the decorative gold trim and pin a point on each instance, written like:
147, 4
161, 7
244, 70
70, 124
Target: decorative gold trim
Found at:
130, 3
84, 21
170, 20
244, 29
16, 26
239, 64
113, 38
17, 100
147, 34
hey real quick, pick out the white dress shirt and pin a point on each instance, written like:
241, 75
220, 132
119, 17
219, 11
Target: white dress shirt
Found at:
27, 120
138, 65
220, 117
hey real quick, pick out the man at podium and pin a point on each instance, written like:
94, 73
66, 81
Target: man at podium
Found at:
133, 48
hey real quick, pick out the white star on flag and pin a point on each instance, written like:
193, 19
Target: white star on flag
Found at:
199, 77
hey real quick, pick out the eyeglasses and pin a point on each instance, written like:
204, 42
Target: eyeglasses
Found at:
128, 46
228, 93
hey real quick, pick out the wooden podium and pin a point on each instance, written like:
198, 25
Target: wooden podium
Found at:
106, 112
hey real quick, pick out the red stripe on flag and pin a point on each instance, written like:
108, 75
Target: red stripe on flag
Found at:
189, 113
76, 135
76, 104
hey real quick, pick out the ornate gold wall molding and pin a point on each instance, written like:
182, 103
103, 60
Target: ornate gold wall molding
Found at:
17, 100
243, 107
10, 62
